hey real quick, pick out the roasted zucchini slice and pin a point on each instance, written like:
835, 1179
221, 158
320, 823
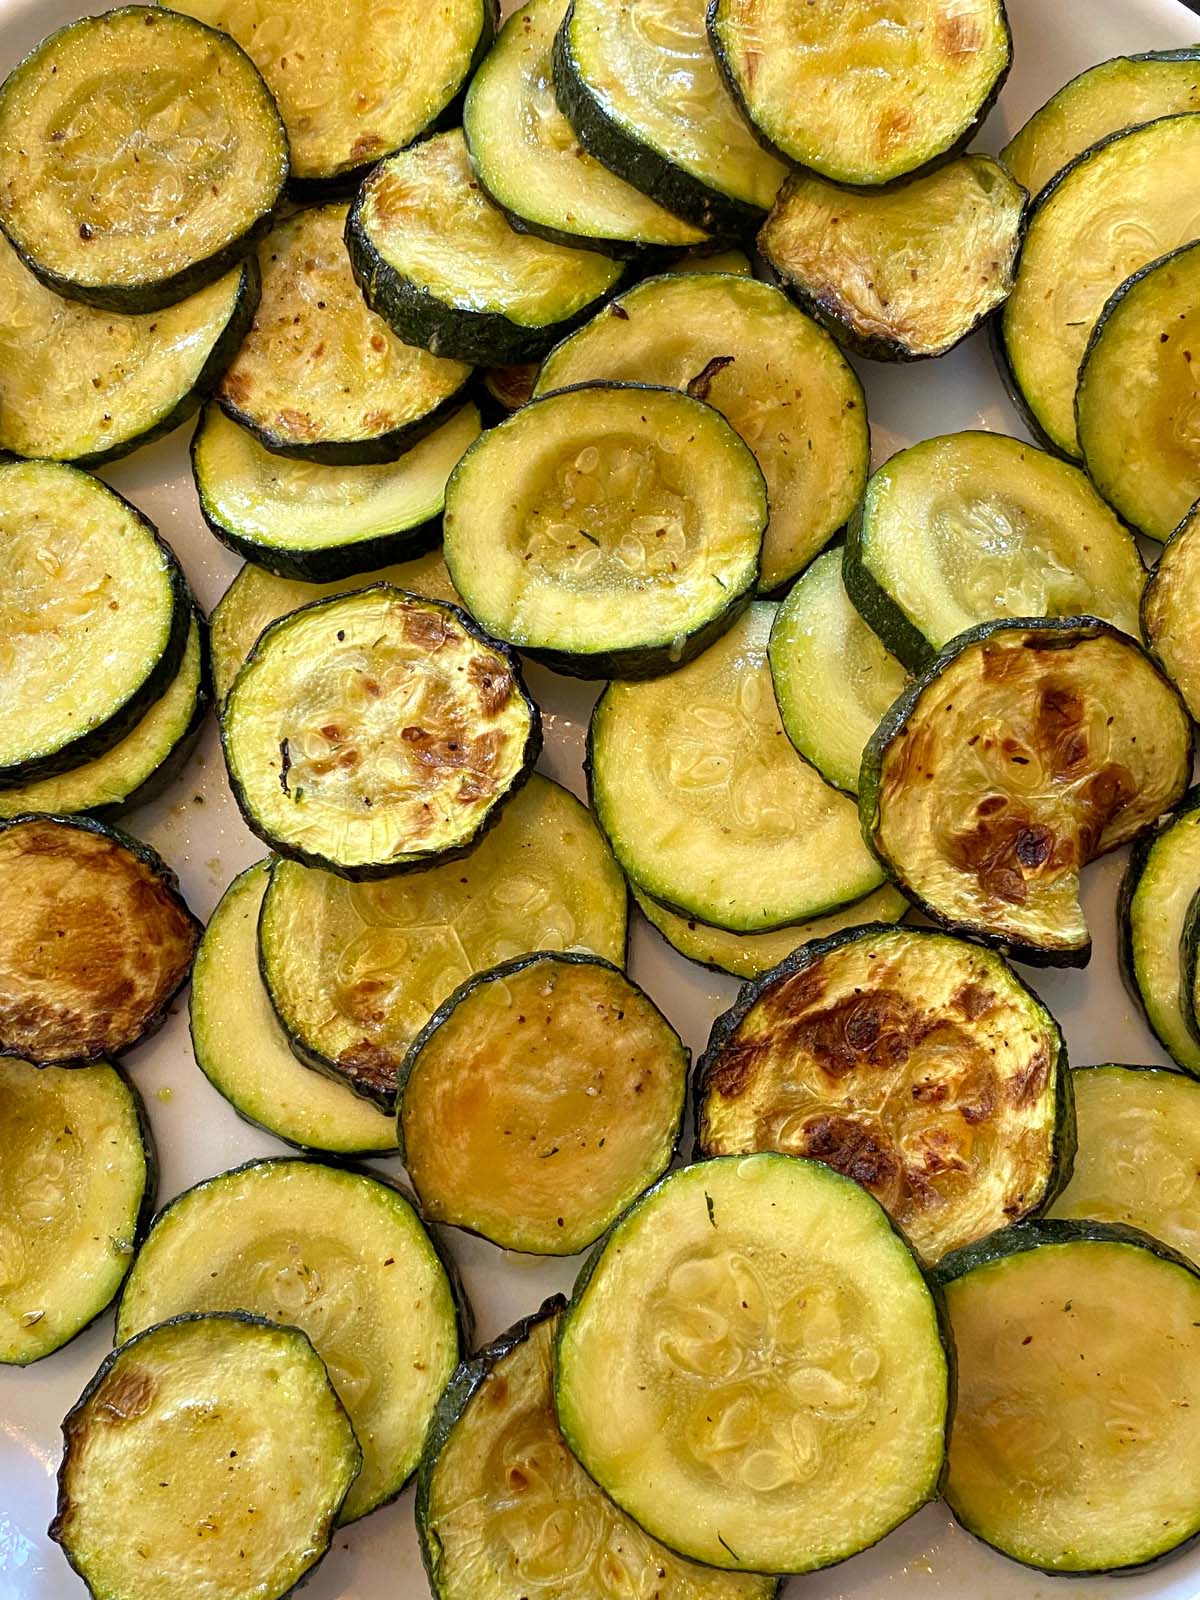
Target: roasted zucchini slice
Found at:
376, 732
504, 1508
341, 1255
1116, 208
94, 618
904, 274
1027, 749
210, 1451
140, 157
1170, 603
865, 91
610, 530
707, 806
833, 677
914, 1063
77, 1179
355, 971
1139, 394
752, 1367
972, 526
95, 943
1076, 1439
776, 376
320, 377
437, 260
321, 524
1160, 882
509, 387
539, 1100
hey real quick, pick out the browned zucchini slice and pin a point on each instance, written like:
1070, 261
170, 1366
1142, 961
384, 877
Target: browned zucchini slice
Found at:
1170, 605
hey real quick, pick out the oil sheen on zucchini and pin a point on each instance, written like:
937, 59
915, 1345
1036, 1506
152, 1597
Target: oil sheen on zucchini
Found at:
341, 1255
1170, 602
1160, 882
972, 526
707, 806
355, 971
376, 732
912, 1062
209, 1454
864, 91
76, 1186
776, 376
539, 1100
611, 530
752, 1367
140, 157
503, 1507
1027, 749
437, 260
1076, 1439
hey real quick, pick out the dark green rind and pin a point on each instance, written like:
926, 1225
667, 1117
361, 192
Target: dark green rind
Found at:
1191, 519
1189, 961
875, 605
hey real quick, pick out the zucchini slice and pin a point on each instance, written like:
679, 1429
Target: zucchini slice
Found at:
969, 527
526, 156
316, 523
77, 1184
539, 1101
96, 942
914, 1063
770, 370
319, 376
87, 386
1121, 93
355, 971
710, 258
1029, 748
904, 274
439, 262
354, 80
1170, 602
1116, 208
141, 155
376, 732
646, 99
865, 91
833, 678
340, 1255
1139, 394
1138, 1160
1157, 890
94, 618
707, 806
210, 1451
1076, 1439
503, 1507
510, 387
609, 530
752, 1367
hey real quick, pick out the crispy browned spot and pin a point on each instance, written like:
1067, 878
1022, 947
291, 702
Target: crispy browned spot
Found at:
125, 1396
371, 1065
297, 423
998, 663
493, 683
974, 1000
878, 1028
427, 629
1002, 850
911, 758
366, 144
497, 1390
956, 34
1025, 1086
893, 124
378, 421
859, 1152
236, 387
1059, 727
699, 386
1107, 792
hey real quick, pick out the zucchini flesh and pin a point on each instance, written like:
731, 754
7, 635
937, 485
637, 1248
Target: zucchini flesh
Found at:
319, 376
708, 258
1027, 749
1076, 1445
504, 1508
1169, 604
914, 1063
76, 1182
539, 1101
902, 275
787, 384
1139, 395
751, 1366
340, 1255
1117, 207
376, 732
1156, 892
210, 1453
355, 971
968, 527
707, 806
864, 92
612, 530
140, 155
833, 677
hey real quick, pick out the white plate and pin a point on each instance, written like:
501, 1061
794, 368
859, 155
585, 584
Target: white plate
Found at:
198, 830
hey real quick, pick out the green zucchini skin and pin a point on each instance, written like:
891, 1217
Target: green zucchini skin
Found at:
343, 453
876, 607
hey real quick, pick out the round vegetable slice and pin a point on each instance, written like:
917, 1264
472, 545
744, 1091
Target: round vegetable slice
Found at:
752, 1367
1169, 604
1157, 890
